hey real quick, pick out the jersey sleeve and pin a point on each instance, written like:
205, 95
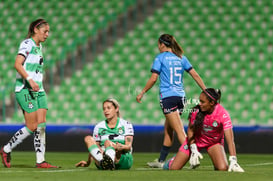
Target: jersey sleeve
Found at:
186, 64
129, 130
156, 67
24, 48
96, 135
226, 121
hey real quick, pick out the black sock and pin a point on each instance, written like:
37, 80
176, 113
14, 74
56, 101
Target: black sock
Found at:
164, 153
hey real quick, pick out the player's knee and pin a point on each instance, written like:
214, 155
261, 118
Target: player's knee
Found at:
32, 127
222, 167
88, 139
107, 143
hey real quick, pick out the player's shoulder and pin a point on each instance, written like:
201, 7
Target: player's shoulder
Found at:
100, 124
27, 43
162, 54
220, 110
184, 58
125, 122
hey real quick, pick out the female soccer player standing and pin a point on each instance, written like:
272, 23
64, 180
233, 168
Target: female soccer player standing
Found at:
170, 65
209, 123
111, 144
30, 94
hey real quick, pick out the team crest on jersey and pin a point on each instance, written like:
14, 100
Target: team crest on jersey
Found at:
215, 124
120, 131
30, 105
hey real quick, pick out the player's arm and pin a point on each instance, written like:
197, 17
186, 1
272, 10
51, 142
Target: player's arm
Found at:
230, 141
195, 154
233, 166
150, 83
190, 133
18, 65
127, 146
84, 163
197, 79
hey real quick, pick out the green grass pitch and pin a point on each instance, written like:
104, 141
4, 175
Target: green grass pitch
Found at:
257, 167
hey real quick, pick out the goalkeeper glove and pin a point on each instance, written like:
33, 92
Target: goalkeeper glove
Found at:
233, 165
195, 155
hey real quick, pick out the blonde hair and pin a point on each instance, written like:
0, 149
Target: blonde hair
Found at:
114, 102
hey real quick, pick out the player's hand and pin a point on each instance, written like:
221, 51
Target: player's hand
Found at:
82, 164
139, 97
195, 156
233, 165
119, 146
34, 86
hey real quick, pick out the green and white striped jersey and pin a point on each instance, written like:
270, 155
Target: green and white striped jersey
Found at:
33, 64
102, 132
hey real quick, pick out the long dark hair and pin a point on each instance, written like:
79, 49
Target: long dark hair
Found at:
213, 95
35, 24
170, 41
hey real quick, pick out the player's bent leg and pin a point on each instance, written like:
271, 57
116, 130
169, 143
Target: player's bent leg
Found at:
181, 158
218, 157
89, 141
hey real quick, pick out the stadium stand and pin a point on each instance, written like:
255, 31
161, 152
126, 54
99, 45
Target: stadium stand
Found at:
228, 42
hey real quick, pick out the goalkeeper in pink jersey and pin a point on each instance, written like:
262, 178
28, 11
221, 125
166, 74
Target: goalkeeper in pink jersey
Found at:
209, 123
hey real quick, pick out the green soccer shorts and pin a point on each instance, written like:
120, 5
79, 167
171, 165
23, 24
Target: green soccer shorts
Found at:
31, 101
125, 162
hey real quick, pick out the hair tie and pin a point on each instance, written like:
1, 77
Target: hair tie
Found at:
165, 42
38, 24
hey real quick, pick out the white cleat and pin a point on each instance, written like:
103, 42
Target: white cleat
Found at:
155, 164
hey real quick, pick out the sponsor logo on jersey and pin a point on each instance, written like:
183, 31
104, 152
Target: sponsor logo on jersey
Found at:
120, 131
30, 105
215, 124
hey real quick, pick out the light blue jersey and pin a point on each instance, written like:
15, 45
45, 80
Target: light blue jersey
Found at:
171, 69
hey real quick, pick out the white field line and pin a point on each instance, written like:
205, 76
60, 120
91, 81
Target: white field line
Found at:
208, 166
147, 168
46, 170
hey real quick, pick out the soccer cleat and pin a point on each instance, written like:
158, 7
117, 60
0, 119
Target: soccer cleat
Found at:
5, 158
107, 163
45, 164
155, 164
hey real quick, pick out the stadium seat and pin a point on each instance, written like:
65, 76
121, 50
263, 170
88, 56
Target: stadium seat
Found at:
229, 43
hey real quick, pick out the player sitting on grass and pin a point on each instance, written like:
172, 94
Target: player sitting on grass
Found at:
111, 144
209, 122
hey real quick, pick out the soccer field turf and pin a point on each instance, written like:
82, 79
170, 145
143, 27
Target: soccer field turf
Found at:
257, 167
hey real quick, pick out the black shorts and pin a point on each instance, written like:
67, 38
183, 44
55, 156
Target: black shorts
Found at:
172, 104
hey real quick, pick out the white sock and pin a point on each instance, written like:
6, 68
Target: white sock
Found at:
39, 143
95, 152
17, 138
111, 152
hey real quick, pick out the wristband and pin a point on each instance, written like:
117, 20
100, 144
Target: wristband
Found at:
28, 78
